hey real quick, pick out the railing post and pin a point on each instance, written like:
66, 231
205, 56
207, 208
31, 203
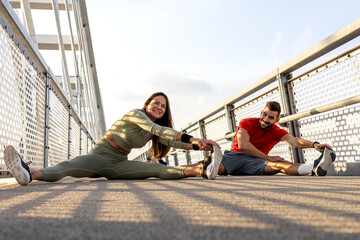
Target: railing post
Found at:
81, 130
47, 117
176, 162
288, 106
188, 157
187, 154
202, 133
69, 133
230, 118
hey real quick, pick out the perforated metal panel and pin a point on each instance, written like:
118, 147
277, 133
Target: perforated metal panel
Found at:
22, 104
216, 128
58, 132
225, 145
195, 132
338, 128
338, 80
335, 81
74, 138
84, 140
91, 144
196, 156
182, 159
23, 110
88, 144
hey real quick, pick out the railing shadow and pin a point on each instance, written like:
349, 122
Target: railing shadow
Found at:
230, 207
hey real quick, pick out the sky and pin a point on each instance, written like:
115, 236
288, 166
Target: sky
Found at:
201, 52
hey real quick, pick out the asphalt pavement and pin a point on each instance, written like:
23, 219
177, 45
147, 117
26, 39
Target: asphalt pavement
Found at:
244, 207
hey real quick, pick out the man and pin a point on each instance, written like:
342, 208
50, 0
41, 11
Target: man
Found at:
254, 139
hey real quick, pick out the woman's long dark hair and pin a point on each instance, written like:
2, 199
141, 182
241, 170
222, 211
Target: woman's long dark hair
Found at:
158, 149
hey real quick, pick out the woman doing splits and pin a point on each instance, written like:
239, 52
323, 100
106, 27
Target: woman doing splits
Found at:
108, 158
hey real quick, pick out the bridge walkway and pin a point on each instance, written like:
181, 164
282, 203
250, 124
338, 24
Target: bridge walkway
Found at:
246, 207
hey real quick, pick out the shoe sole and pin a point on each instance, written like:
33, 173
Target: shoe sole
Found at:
213, 169
325, 163
13, 163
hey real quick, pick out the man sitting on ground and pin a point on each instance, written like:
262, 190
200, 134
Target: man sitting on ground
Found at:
254, 139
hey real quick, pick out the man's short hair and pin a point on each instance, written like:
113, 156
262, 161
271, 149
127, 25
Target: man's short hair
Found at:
274, 106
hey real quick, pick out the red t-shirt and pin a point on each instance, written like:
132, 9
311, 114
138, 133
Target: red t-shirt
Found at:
262, 140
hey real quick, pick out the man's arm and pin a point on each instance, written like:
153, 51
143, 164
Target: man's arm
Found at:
245, 145
302, 143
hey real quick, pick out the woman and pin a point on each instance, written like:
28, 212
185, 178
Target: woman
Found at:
108, 158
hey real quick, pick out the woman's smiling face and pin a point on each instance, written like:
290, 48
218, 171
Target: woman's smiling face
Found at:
156, 108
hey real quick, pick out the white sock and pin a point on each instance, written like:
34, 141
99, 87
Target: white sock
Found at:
305, 169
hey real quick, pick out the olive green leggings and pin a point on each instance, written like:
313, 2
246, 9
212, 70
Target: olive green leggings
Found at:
104, 165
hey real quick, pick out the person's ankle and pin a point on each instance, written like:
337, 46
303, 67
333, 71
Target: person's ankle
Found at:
200, 169
36, 174
221, 169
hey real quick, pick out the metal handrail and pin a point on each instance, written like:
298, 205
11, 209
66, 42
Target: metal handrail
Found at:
307, 113
321, 109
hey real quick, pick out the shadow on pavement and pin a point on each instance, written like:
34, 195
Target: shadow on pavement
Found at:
247, 207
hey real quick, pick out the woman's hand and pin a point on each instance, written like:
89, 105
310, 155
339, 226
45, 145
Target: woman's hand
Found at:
204, 144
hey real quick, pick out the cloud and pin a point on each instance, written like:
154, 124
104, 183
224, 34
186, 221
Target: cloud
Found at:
178, 85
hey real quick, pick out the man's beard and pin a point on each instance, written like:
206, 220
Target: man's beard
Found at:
265, 128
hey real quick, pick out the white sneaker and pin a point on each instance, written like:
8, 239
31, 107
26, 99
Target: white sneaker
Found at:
322, 164
16, 165
212, 163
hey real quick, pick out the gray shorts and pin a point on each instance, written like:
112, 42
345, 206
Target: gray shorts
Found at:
240, 163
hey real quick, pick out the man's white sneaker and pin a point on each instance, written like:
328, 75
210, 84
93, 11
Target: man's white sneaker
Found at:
322, 164
211, 164
16, 165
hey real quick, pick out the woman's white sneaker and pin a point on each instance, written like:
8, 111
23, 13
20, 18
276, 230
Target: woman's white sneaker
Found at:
16, 165
212, 163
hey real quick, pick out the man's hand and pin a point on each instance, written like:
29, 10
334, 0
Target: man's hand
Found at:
320, 147
204, 144
275, 159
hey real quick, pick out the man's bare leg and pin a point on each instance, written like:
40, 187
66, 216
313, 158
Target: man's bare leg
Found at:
288, 168
271, 170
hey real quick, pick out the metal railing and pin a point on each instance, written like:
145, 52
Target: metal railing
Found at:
38, 116
321, 104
